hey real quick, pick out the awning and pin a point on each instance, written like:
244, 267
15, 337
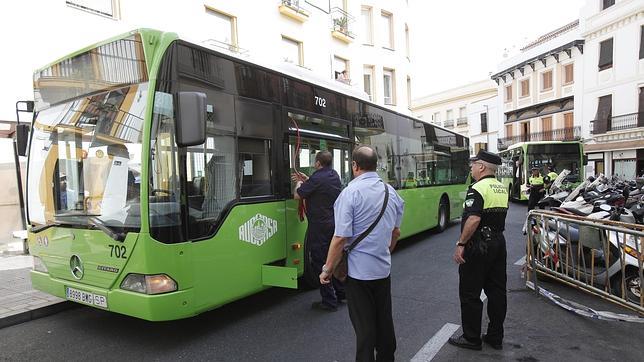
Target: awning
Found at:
541, 109
613, 146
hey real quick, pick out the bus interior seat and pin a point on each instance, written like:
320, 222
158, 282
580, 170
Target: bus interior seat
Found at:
196, 193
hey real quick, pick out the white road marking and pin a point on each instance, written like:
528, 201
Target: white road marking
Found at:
431, 348
521, 261
483, 296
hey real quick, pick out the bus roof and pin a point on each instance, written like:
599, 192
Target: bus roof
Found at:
521, 144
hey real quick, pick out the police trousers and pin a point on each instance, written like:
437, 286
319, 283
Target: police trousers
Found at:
318, 237
488, 273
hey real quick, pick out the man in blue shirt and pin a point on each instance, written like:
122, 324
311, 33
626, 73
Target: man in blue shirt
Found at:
320, 192
368, 284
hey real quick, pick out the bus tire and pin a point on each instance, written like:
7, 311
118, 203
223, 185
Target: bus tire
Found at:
310, 278
443, 215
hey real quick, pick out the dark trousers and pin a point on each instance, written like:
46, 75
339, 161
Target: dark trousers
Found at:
487, 272
533, 199
319, 237
370, 312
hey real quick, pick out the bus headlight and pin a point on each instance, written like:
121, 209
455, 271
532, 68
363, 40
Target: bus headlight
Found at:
149, 284
39, 266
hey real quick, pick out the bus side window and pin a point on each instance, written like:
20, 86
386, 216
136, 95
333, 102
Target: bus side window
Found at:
255, 166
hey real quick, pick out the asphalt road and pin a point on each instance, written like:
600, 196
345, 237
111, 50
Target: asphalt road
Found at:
278, 324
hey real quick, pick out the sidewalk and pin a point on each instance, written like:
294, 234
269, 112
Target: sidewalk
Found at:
18, 301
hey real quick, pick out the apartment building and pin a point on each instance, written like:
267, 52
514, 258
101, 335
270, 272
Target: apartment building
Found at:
358, 44
613, 88
449, 108
537, 89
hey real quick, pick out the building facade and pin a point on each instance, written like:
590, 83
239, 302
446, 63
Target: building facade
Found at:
483, 120
613, 88
451, 109
537, 89
361, 43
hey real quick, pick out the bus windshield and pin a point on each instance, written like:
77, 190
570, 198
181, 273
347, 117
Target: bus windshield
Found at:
85, 155
561, 156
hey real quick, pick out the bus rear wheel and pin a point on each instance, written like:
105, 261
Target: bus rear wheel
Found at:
443, 215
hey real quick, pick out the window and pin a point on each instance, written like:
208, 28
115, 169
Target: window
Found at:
525, 87
437, 118
341, 70
407, 52
255, 161
389, 88
367, 26
546, 127
367, 75
546, 80
107, 8
642, 42
449, 115
483, 122
224, 29
603, 116
292, 51
607, 3
408, 92
606, 54
387, 30
509, 132
508, 93
569, 73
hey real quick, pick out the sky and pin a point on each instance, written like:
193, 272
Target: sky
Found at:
457, 42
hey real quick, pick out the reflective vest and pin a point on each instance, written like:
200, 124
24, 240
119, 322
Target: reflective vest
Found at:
495, 203
536, 181
553, 175
494, 193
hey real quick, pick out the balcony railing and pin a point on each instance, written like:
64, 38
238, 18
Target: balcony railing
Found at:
342, 22
461, 121
293, 9
449, 123
617, 123
561, 134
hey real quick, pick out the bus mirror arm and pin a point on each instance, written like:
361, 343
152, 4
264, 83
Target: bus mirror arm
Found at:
190, 118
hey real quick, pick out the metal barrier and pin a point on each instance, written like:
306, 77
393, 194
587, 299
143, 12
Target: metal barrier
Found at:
601, 257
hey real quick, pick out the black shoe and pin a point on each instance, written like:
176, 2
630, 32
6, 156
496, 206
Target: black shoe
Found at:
464, 343
323, 306
342, 299
497, 346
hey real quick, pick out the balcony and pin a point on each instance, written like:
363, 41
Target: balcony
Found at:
617, 123
449, 123
561, 134
341, 29
293, 10
461, 121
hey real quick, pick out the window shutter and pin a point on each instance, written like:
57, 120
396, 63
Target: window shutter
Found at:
602, 119
642, 42
606, 54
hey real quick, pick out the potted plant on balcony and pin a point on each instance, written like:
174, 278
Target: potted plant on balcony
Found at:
341, 24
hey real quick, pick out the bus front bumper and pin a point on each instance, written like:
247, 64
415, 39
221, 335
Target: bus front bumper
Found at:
160, 307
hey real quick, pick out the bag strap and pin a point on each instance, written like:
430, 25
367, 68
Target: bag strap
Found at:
370, 229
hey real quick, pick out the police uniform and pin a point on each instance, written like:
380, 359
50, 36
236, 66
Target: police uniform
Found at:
320, 192
536, 190
485, 258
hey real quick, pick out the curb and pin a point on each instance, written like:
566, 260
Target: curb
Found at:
35, 313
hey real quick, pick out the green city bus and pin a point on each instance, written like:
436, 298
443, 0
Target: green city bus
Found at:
519, 158
159, 173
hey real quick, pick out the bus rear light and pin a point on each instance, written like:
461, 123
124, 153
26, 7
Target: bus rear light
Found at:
39, 265
149, 284
296, 261
296, 246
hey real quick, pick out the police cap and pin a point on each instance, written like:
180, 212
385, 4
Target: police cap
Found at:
486, 156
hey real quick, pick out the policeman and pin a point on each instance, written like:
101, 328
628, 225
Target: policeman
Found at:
320, 192
535, 186
550, 177
481, 255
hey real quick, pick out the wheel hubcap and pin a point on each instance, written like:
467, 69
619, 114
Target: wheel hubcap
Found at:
634, 285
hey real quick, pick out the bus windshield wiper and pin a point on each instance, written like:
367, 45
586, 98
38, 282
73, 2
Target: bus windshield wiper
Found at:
40, 228
97, 223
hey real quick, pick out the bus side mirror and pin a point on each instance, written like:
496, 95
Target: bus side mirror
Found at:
22, 138
190, 118
585, 159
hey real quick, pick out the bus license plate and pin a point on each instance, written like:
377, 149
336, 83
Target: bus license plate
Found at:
86, 297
